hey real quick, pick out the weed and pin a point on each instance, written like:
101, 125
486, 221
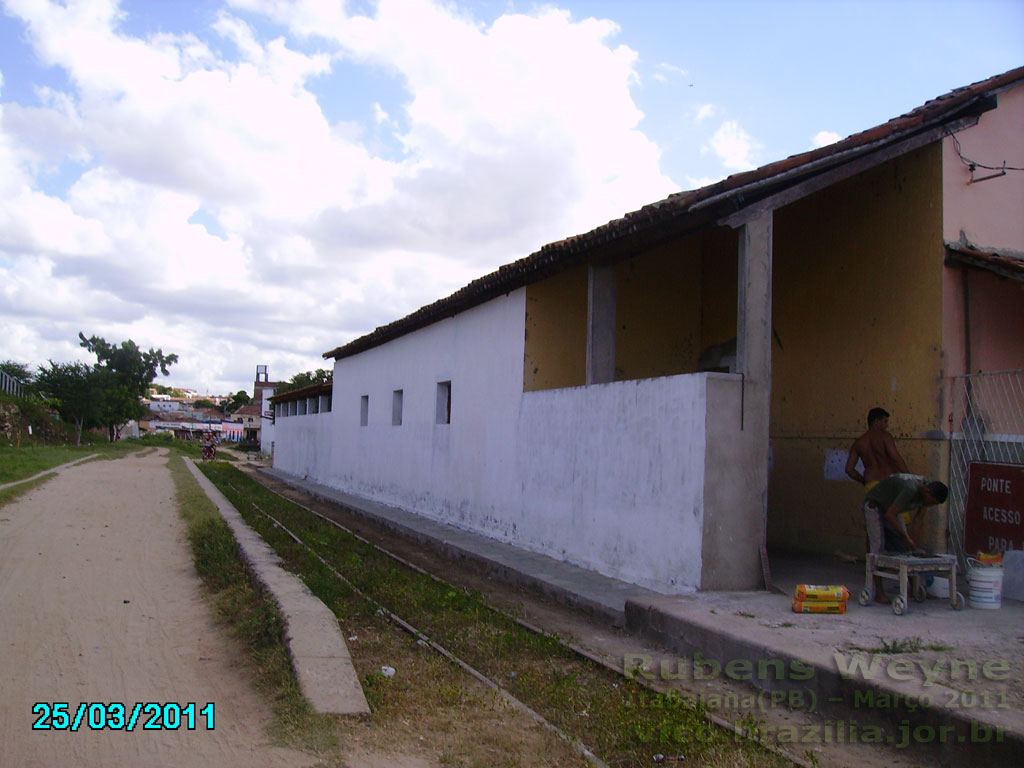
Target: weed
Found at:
903, 645
615, 717
10, 494
252, 616
19, 463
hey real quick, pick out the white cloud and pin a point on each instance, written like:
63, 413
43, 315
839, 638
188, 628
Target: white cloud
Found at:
824, 138
665, 71
704, 111
734, 146
515, 134
696, 182
546, 87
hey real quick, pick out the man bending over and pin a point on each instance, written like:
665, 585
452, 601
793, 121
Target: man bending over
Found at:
883, 508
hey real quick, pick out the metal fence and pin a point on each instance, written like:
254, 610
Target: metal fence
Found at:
12, 386
988, 426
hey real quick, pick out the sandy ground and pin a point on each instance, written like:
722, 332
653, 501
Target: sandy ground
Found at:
99, 602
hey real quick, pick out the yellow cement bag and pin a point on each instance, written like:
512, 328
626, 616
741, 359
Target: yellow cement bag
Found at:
832, 592
819, 606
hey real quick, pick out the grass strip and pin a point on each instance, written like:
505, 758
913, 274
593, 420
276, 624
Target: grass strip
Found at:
10, 494
251, 615
19, 463
618, 719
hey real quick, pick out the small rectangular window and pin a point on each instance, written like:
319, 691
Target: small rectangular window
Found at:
364, 410
396, 408
444, 403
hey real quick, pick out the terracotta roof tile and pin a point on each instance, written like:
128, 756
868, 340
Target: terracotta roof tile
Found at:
1004, 266
686, 211
320, 388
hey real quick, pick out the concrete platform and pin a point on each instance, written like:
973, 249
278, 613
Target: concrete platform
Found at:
946, 684
318, 651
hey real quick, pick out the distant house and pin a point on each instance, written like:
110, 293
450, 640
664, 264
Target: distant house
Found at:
164, 405
233, 431
664, 396
262, 389
249, 417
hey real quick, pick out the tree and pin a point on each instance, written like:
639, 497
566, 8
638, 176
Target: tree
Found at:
18, 371
203, 403
74, 390
299, 380
125, 373
238, 399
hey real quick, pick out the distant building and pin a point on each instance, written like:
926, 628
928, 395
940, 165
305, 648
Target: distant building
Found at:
249, 417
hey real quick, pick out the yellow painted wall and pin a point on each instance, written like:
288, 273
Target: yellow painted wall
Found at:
719, 293
673, 301
658, 311
556, 332
857, 295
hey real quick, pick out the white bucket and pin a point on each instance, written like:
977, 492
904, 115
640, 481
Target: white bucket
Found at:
939, 586
985, 583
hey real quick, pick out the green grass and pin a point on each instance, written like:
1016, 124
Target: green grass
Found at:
17, 463
10, 494
903, 645
616, 717
252, 616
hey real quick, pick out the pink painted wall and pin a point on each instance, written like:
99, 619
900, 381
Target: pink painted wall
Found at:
991, 215
990, 212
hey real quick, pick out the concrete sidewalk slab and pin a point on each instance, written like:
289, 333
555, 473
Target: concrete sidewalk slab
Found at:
950, 682
319, 654
600, 596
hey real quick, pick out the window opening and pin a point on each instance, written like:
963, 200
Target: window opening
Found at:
396, 408
444, 402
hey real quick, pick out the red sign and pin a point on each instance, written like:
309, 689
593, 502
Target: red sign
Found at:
994, 517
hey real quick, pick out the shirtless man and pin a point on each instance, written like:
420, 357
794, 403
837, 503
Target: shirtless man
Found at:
877, 449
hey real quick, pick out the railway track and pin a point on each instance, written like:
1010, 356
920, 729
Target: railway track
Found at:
713, 727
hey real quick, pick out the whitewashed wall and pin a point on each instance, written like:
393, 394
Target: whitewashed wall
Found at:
612, 478
303, 445
609, 477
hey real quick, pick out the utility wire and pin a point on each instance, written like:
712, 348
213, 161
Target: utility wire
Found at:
972, 164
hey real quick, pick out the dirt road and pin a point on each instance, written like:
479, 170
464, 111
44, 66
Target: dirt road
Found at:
99, 602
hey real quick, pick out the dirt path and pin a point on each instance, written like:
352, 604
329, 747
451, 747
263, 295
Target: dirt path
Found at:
99, 602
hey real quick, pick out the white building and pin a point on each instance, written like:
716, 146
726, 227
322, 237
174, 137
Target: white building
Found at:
608, 400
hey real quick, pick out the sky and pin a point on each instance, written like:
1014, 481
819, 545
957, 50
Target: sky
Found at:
256, 182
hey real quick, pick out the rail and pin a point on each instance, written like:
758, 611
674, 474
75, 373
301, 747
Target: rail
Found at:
12, 386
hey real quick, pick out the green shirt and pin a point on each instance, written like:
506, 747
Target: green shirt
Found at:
903, 490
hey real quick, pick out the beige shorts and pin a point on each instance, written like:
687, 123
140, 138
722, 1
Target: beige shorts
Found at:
873, 522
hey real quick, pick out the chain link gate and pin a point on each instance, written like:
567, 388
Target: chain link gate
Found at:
987, 426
